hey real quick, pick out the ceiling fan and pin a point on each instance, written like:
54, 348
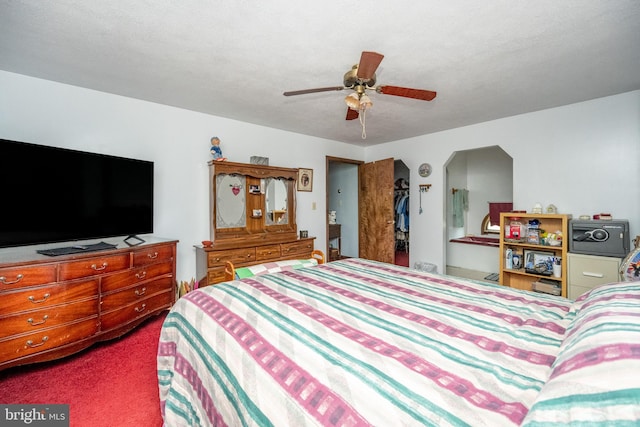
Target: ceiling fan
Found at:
359, 79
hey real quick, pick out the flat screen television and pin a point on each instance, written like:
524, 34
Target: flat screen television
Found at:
53, 194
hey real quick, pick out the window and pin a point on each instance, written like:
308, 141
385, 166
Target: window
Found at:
488, 227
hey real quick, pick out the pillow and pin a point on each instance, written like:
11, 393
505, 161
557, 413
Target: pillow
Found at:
595, 379
274, 267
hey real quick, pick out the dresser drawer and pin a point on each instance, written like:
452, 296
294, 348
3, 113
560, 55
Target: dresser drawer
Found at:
33, 321
302, 249
265, 253
334, 231
138, 275
236, 256
47, 339
93, 266
152, 255
47, 296
214, 275
123, 315
15, 277
135, 293
591, 271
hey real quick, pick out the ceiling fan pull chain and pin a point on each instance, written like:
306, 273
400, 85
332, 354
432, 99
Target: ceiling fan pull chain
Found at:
363, 118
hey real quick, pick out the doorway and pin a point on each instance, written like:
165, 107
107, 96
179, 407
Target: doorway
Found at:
486, 175
342, 208
401, 212
361, 210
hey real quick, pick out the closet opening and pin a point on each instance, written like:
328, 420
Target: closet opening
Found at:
401, 213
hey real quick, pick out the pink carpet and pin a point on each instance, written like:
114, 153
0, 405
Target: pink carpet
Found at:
402, 258
110, 384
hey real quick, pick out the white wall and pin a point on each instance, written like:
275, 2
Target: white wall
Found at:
489, 179
584, 158
177, 140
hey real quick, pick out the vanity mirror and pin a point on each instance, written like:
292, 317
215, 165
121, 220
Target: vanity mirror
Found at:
254, 202
231, 201
276, 201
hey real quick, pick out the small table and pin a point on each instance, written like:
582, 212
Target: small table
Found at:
335, 234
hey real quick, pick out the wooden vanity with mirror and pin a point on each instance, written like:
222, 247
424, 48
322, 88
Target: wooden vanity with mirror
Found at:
253, 219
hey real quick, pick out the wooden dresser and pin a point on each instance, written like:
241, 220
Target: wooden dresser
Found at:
55, 306
210, 261
253, 219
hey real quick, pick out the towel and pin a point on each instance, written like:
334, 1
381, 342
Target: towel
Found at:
460, 204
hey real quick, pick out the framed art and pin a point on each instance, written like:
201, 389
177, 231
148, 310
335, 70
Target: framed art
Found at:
538, 262
305, 179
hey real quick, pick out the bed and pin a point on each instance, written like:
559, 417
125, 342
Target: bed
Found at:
358, 342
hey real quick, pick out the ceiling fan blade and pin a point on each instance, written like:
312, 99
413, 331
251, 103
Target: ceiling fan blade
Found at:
320, 89
351, 114
369, 62
424, 95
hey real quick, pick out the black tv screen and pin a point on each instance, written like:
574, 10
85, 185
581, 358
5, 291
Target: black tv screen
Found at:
53, 194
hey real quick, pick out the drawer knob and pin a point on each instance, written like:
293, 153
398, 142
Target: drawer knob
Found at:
141, 308
141, 291
42, 341
141, 276
38, 301
4, 280
34, 323
96, 268
153, 255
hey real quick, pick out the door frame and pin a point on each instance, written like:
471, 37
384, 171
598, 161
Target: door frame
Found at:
329, 159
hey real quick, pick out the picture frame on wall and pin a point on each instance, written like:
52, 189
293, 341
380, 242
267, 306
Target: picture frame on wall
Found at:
305, 179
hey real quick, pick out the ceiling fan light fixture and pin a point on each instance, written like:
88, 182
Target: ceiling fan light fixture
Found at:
353, 101
365, 102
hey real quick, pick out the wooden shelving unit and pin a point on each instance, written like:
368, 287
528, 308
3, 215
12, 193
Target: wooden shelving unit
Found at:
519, 278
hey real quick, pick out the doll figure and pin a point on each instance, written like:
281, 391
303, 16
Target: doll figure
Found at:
216, 151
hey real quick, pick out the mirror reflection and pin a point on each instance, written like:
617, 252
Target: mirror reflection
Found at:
276, 201
230, 201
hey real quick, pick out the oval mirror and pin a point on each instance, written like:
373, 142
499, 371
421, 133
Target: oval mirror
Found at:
276, 202
230, 201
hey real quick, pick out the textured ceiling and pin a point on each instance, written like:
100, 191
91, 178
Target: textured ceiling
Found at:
234, 59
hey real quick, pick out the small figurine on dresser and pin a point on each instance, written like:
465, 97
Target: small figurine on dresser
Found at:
216, 151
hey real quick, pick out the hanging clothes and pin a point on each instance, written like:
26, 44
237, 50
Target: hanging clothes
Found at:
402, 212
460, 205
401, 216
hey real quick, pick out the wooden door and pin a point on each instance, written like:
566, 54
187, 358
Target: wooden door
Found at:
376, 211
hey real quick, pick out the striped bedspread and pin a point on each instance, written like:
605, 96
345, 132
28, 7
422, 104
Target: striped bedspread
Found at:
354, 343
